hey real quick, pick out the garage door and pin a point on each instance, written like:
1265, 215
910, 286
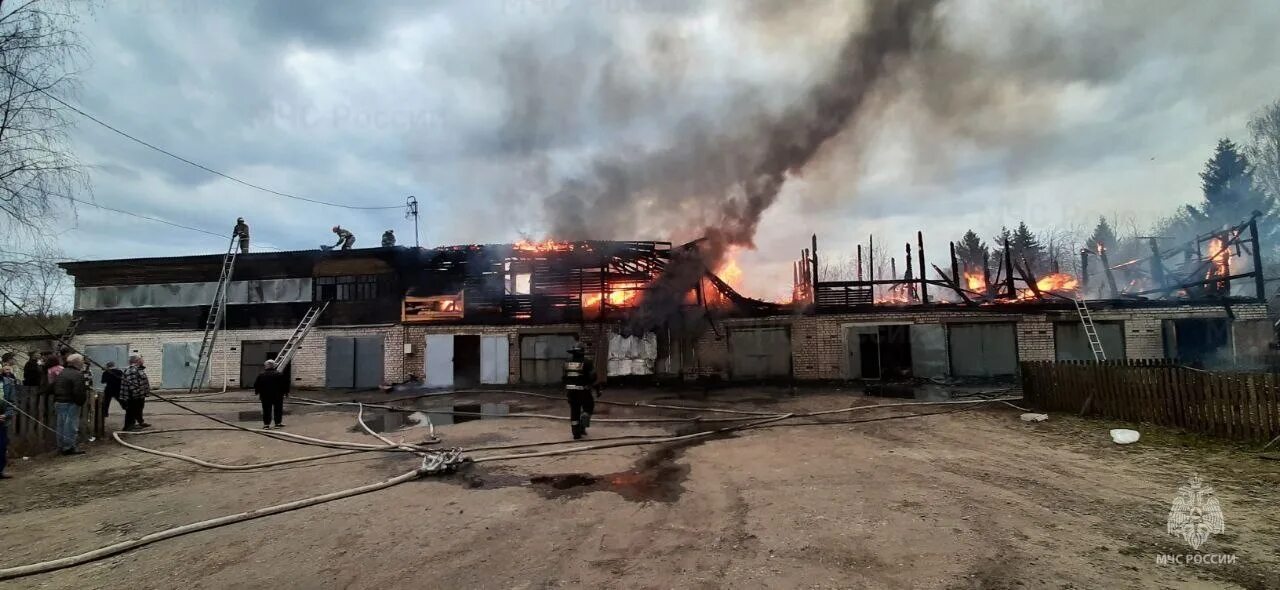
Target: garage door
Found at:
178, 365
983, 350
108, 353
353, 362
253, 355
1071, 344
542, 357
759, 353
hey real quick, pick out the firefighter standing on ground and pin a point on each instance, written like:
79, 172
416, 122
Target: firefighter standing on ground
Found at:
345, 238
579, 381
242, 231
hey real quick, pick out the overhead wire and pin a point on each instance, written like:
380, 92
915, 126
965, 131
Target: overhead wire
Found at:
188, 161
155, 219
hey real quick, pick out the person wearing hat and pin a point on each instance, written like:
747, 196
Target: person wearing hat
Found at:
271, 387
135, 386
579, 378
345, 238
388, 238
242, 231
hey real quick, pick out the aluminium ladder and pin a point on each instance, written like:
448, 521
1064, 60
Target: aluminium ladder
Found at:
216, 311
1095, 344
70, 332
291, 346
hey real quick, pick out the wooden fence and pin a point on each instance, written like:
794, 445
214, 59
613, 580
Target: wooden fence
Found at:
1244, 406
27, 434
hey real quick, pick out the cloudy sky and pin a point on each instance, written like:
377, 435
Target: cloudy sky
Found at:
1048, 112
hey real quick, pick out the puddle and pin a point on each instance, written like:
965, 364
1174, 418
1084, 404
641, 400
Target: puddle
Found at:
386, 420
467, 412
924, 393
655, 477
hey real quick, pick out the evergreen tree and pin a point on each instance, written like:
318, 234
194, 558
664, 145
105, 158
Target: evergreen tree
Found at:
1024, 245
970, 250
1230, 194
1103, 236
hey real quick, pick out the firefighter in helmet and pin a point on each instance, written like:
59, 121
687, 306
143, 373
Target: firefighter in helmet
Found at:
579, 381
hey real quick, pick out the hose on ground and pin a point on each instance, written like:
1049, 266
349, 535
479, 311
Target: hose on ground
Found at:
432, 462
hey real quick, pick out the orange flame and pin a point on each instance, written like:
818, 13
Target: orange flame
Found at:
619, 294
1058, 282
729, 272
1220, 256
975, 282
543, 246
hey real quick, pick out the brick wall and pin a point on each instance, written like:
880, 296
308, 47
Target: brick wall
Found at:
308, 362
818, 349
1035, 338
588, 335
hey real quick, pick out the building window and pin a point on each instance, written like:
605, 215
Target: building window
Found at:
347, 288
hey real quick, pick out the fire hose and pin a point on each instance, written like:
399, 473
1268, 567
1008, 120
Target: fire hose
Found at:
433, 462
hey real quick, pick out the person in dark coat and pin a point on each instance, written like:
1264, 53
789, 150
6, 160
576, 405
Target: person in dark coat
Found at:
31, 370
271, 387
8, 401
579, 381
111, 388
241, 231
69, 397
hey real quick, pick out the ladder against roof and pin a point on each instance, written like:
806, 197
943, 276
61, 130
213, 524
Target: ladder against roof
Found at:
216, 310
1091, 331
70, 332
291, 346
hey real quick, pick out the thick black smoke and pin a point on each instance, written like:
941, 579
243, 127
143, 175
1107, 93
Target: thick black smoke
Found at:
725, 178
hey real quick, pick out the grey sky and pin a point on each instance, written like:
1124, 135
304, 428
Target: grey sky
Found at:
1045, 111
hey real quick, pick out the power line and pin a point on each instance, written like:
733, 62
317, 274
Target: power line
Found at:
149, 218
185, 160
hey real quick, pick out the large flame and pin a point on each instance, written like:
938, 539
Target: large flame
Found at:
1058, 282
975, 282
1220, 257
543, 246
619, 295
729, 272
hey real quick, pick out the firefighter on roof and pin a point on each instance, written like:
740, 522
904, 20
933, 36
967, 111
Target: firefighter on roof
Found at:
345, 238
579, 380
242, 231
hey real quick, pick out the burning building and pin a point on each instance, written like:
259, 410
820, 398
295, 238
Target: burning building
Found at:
452, 316
507, 313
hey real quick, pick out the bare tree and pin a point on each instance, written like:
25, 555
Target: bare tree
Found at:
35, 283
1264, 148
39, 49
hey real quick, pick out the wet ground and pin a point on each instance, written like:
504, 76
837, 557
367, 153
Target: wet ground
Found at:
956, 500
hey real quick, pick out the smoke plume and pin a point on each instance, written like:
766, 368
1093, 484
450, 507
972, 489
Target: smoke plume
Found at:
724, 178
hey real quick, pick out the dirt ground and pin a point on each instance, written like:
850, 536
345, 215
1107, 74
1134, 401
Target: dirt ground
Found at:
957, 500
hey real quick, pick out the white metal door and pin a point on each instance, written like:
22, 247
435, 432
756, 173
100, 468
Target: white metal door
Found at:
438, 365
494, 360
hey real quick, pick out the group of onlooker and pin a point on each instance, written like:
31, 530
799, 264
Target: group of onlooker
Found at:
65, 377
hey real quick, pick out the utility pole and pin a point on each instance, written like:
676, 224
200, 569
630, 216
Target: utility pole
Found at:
412, 205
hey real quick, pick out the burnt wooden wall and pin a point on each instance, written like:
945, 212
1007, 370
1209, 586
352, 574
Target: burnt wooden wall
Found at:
306, 264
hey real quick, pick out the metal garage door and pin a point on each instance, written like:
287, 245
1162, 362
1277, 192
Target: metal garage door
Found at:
108, 353
178, 365
542, 357
253, 354
759, 353
983, 350
353, 362
495, 361
1071, 344
437, 363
